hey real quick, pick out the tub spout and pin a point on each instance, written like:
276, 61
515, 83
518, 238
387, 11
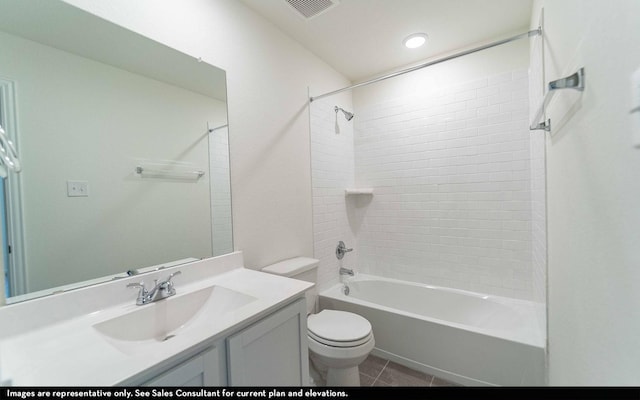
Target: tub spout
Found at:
346, 271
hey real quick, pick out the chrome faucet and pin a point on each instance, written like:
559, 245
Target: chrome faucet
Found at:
160, 291
346, 271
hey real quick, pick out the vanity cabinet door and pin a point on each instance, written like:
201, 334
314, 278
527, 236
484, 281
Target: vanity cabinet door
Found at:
271, 352
204, 369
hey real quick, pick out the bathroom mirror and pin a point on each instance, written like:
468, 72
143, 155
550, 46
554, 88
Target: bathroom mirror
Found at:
124, 150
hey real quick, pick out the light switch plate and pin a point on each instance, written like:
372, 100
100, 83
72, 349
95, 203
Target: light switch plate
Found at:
77, 188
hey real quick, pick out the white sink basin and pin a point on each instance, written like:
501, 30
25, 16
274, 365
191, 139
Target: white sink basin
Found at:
158, 322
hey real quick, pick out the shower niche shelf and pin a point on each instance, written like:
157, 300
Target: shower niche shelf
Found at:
358, 191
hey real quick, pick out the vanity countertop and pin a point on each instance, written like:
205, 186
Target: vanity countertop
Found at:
72, 352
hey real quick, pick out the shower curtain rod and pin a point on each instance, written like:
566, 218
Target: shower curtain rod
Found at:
216, 128
529, 34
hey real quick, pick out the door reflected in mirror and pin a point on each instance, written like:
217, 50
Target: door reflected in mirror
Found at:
124, 152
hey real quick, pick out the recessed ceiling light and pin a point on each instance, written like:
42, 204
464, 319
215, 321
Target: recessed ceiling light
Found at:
416, 40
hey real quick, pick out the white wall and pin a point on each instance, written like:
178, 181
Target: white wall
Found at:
83, 120
220, 179
538, 175
447, 153
267, 74
593, 188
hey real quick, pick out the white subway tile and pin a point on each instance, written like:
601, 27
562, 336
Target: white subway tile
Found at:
500, 78
499, 118
451, 178
466, 95
520, 74
477, 103
488, 91
499, 98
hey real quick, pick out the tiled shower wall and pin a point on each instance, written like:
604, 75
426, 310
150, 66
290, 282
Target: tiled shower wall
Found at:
451, 173
332, 159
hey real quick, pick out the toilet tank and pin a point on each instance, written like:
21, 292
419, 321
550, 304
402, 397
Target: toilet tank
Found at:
301, 268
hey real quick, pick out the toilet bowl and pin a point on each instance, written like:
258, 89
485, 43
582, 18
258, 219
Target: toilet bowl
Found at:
338, 340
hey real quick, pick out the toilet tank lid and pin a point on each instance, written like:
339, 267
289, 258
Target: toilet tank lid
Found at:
292, 266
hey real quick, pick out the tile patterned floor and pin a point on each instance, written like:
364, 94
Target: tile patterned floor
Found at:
376, 371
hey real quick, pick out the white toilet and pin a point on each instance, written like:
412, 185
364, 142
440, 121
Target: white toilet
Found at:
338, 340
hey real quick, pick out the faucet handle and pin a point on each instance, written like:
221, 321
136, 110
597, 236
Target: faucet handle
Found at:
167, 281
136, 284
173, 274
168, 285
141, 293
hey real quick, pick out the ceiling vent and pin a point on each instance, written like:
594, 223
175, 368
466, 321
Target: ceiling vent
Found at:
309, 9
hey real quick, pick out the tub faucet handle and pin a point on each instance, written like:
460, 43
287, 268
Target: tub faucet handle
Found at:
341, 250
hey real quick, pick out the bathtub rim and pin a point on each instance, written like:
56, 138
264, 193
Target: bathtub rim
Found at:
538, 339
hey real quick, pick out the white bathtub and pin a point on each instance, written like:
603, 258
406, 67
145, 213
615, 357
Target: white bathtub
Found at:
464, 337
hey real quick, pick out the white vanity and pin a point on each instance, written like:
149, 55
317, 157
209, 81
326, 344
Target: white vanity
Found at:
226, 325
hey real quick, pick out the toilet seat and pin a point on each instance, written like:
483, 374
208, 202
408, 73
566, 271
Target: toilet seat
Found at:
334, 343
339, 328
340, 357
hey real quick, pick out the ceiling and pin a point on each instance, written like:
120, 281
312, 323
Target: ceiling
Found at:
363, 38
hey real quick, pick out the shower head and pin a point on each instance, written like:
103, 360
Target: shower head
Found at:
347, 114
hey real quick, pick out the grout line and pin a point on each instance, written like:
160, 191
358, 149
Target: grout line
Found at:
380, 373
430, 384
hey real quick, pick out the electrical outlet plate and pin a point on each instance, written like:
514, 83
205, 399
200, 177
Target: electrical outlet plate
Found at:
77, 188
